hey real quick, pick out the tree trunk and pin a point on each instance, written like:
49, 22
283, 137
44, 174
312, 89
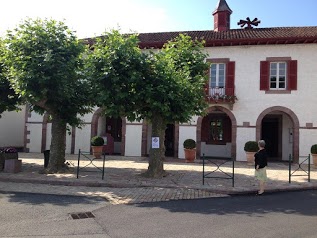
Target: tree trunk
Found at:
155, 169
58, 146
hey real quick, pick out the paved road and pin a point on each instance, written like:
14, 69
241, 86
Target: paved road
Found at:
283, 215
289, 215
40, 215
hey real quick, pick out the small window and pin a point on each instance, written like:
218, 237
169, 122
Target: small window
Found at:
218, 75
278, 75
216, 130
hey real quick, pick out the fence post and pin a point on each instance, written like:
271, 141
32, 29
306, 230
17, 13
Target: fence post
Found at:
289, 168
203, 169
308, 167
78, 162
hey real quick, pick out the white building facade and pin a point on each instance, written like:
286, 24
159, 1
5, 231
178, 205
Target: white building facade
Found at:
261, 86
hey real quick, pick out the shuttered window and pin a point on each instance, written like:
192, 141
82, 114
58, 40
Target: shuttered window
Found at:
278, 75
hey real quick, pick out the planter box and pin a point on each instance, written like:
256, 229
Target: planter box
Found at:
12, 166
7, 156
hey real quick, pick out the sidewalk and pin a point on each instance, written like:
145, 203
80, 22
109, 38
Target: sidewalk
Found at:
123, 182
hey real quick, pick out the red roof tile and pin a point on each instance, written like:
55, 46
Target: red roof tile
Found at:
256, 36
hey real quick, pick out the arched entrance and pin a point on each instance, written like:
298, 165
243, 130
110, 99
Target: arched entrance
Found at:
102, 125
170, 142
217, 133
279, 127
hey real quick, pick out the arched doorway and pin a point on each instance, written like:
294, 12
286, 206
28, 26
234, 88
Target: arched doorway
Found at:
279, 127
102, 125
171, 139
216, 133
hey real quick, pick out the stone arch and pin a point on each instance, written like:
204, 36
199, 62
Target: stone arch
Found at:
233, 133
294, 120
94, 128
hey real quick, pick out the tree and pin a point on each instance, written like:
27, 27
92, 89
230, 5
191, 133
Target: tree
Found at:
162, 87
9, 100
45, 62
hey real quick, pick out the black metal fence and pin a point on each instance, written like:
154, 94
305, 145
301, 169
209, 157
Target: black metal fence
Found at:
90, 160
299, 170
217, 162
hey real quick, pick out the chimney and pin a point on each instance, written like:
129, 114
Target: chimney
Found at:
222, 16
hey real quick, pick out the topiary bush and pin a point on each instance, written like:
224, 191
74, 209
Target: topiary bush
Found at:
97, 141
313, 149
189, 144
251, 146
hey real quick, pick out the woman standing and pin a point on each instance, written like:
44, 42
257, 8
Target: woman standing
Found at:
260, 166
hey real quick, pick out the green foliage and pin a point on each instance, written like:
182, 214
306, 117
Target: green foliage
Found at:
251, 146
9, 100
136, 84
97, 141
313, 149
45, 61
189, 144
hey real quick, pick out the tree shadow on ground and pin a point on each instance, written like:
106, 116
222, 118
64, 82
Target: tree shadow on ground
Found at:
287, 203
43, 199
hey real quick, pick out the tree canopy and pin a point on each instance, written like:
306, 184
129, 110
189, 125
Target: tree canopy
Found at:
162, 87
45, 65
9, 100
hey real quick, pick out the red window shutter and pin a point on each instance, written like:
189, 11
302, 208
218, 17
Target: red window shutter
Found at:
292, 75
230, 78
205, 124
264, 75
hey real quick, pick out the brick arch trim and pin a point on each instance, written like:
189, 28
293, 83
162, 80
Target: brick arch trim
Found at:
294, 120
94, 128
233, 133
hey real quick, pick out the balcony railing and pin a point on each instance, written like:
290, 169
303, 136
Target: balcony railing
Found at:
220, 95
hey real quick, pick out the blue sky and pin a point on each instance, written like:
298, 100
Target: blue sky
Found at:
90, 18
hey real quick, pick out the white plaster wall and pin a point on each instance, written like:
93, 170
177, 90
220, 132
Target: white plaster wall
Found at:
251, 101
244, 135
306, 139
82, 141
133, 139
35, 137
216, 150
35, 117
185, 132
12, 128
48, 136
287, 138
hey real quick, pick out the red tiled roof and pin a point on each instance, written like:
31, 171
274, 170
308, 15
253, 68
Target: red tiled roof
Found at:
256, 36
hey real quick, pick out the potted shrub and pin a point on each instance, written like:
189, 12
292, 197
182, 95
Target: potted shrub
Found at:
97, 143
250, 148
190, 150
313, 151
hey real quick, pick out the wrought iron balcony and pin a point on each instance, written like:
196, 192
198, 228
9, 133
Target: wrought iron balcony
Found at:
220, 95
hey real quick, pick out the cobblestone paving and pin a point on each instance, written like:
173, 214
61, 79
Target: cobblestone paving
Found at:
113, 195
124, 183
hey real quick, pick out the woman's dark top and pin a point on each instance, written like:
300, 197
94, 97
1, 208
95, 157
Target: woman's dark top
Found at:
260, 158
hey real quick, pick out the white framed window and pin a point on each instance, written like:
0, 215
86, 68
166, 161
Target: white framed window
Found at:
218, 75
278, 74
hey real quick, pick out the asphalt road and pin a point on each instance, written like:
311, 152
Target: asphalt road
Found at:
290, 215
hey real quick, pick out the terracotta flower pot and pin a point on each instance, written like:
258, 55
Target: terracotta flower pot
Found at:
314, 157
190, 155
97, 151
250, 157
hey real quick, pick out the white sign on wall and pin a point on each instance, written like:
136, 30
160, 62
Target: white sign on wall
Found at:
155, 142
